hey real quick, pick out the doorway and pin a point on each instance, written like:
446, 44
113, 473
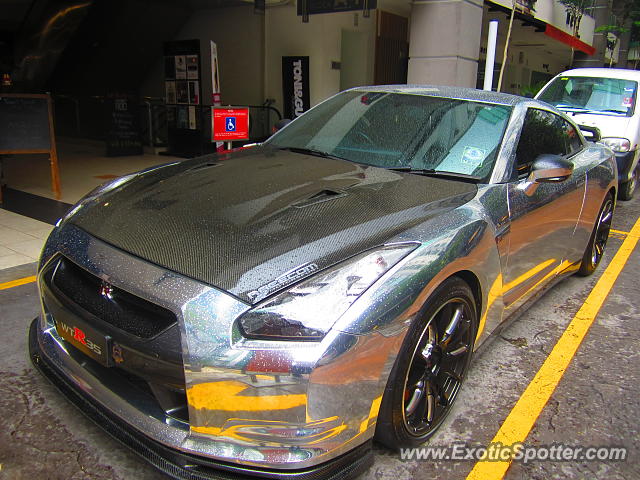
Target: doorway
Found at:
392, 49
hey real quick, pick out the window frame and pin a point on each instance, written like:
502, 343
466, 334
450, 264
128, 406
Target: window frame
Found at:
515, 177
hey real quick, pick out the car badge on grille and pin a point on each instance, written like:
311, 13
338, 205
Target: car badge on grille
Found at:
106, 291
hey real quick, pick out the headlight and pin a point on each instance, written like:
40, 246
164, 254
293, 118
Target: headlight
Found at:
617, 144
309, 309
95, 193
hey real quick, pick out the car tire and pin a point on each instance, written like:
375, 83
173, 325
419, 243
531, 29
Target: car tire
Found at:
627, 189
430, 367
597, 243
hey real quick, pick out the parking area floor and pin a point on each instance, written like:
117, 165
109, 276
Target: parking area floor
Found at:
595, 403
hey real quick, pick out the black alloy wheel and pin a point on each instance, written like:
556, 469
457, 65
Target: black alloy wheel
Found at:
430, 368
598, 241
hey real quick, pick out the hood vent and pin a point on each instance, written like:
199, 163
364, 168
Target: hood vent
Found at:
322, 196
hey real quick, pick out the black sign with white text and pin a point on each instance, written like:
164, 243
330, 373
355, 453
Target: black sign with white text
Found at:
123, 127
295, 86
331, 6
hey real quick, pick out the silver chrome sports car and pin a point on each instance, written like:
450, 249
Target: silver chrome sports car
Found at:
271, 311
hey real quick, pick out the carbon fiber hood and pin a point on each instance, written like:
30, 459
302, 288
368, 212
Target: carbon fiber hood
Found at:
242, 222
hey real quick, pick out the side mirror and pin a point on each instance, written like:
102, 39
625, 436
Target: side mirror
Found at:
549, 168
594, 134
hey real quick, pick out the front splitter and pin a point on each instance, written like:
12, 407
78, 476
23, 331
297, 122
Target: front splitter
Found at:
183, 466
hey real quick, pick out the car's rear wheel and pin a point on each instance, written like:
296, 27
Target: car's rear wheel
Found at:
598, 241
430, 368
627, 189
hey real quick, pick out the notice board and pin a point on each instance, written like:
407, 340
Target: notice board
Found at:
123, 125
230, 123
26, 126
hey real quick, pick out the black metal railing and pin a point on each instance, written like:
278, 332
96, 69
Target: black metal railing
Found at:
85, 117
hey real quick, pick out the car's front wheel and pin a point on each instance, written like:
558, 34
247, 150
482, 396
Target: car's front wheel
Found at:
430, 367
597, 243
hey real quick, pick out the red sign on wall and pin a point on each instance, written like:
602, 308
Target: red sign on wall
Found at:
230, 124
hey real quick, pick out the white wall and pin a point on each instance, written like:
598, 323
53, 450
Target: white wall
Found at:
320, 40
239, 35
251, 47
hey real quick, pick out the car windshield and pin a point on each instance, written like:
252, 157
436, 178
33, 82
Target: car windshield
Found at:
404, 131
605, 96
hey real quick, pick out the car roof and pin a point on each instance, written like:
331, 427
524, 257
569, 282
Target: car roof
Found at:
451, 92
603, 72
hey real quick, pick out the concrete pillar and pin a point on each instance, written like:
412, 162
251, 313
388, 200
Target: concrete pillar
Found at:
602, 14
625, 42
444, 44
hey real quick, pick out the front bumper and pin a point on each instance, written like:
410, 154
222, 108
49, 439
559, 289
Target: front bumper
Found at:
177, 464
627, 163
261, 405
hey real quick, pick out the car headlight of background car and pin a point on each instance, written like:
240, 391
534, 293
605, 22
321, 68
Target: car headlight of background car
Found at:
616, 144
309, 309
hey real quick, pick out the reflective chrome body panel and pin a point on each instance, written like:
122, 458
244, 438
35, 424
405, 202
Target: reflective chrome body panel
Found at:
290, 405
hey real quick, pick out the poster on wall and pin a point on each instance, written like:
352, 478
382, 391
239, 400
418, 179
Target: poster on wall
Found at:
181, 67
182, 92
193, 72
295, 86
194, 93
215, 89
215, 75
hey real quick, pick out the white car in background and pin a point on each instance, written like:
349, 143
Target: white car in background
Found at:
605, 98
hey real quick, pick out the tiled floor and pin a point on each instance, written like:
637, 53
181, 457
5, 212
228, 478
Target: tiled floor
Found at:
82, 166
21, 239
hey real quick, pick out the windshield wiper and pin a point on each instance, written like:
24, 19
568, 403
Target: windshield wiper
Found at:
578, 110
309, 151
573, 108
430, 172
424, 171
613, 110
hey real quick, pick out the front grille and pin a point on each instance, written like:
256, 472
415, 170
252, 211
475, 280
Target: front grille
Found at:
121, 309
146, 334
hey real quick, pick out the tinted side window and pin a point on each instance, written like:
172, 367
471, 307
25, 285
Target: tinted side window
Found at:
542, 132
572, 138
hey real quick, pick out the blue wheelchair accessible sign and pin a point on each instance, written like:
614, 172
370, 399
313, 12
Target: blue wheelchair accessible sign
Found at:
230, 124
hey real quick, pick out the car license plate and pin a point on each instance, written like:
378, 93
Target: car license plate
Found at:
85, 338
